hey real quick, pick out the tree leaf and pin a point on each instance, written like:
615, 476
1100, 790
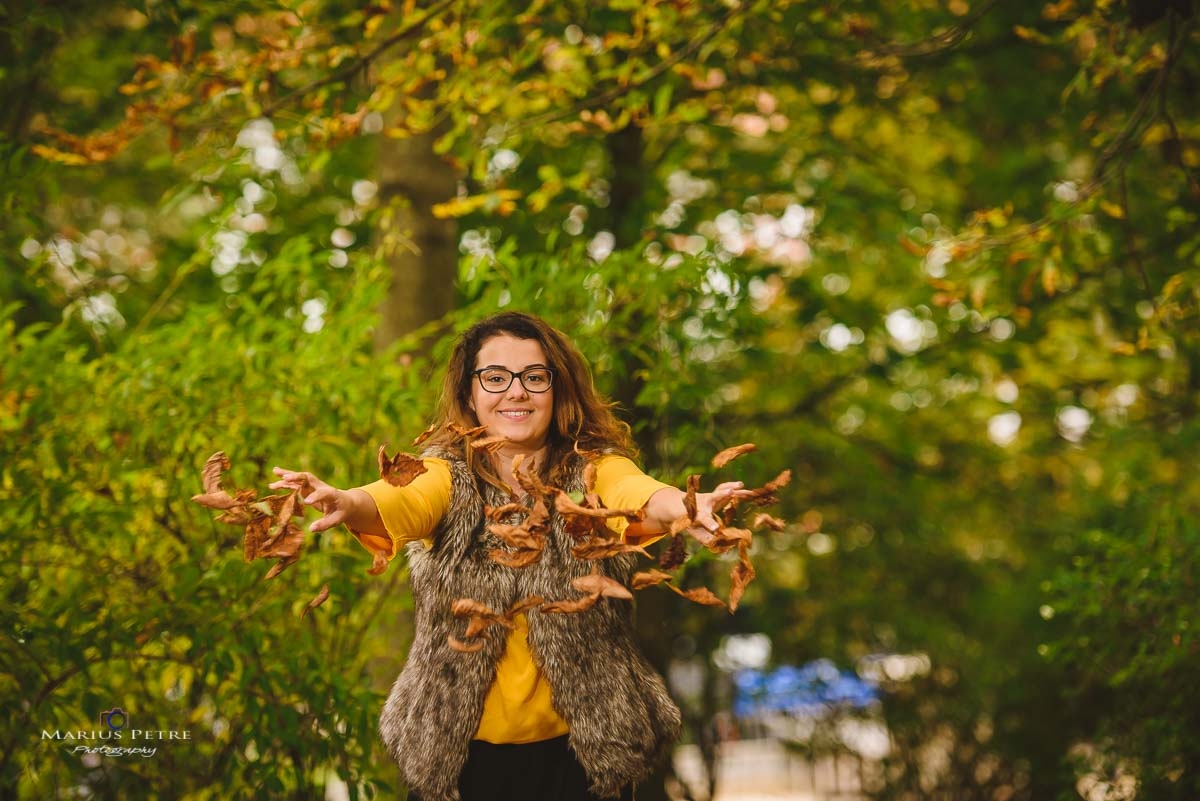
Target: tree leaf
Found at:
729, 454
401, 469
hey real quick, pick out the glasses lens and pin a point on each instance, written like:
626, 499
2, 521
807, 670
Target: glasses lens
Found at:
495, 380
537, 379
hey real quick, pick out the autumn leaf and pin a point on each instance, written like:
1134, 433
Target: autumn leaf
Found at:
426, 434
570, 607
741, 575
764, 520
214, 496
401, 469
379, 564
729, 454
566, 506
689, 498
606, 587
605, 549
488, 444
765, 495
462, 647
522, 605
321, 597
465, 433
700, 595
499, 513
675, 554
283, 564
649, 578
515, 559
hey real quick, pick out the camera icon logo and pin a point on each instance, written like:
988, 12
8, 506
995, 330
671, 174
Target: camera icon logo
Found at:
115, 719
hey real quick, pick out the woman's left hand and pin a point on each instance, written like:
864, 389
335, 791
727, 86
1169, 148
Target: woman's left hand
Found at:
708, 504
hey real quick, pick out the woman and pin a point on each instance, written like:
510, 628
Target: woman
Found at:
563, 706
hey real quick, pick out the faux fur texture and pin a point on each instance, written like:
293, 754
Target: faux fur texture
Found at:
621, 718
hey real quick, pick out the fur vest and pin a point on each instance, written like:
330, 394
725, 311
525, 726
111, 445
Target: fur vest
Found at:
620, 716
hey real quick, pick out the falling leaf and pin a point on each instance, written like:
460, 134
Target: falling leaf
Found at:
675, 554
517, 536
729, 454
589, 485
596, 583
401, 469
689, 497
765, 494
522, 605
462, 647
283, 564
605, 549
570, 607
499, 513
742, 574
215, 497
466, 433
700, 595
322, 596
515, 559
489, 444
464, 607
764, 520
566, 506
649, 578
426, 434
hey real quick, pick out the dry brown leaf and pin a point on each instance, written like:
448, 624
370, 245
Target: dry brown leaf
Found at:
689, 497
700, 595
729, 454
515, 559
517, 536
210, 474
283, 564
649, 578
426, 434
489, 444
467, 607
498, 514
596, 583
464, 432
379, 563
765, 495
322, 596
401, 469
570, 607
566, 506
605, 549
742, 574
764, 520
675, 554
462, 647
528, 479
522, 605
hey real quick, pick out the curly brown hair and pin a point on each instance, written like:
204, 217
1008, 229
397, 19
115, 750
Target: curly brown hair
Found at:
582, 419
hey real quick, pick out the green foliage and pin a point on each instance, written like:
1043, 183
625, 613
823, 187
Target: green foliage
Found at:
120, 592
939, 259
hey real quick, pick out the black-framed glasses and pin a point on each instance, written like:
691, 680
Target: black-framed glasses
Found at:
498, 379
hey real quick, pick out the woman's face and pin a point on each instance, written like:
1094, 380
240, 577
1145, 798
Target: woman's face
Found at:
522, 416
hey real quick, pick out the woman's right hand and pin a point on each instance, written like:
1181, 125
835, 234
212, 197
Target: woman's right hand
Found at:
334, 504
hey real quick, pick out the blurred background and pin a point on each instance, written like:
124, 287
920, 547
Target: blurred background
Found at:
936, 257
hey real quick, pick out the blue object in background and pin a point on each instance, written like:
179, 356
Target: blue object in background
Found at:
812, 690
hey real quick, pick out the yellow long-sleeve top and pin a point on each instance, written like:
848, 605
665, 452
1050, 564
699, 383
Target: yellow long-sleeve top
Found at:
518, 707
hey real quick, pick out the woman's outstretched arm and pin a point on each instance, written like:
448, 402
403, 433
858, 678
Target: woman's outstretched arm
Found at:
353, 507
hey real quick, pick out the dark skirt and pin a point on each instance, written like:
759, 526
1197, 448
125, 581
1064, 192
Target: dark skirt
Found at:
541, 771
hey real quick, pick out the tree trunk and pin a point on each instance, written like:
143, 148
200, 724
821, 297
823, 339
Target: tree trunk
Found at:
421, 249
